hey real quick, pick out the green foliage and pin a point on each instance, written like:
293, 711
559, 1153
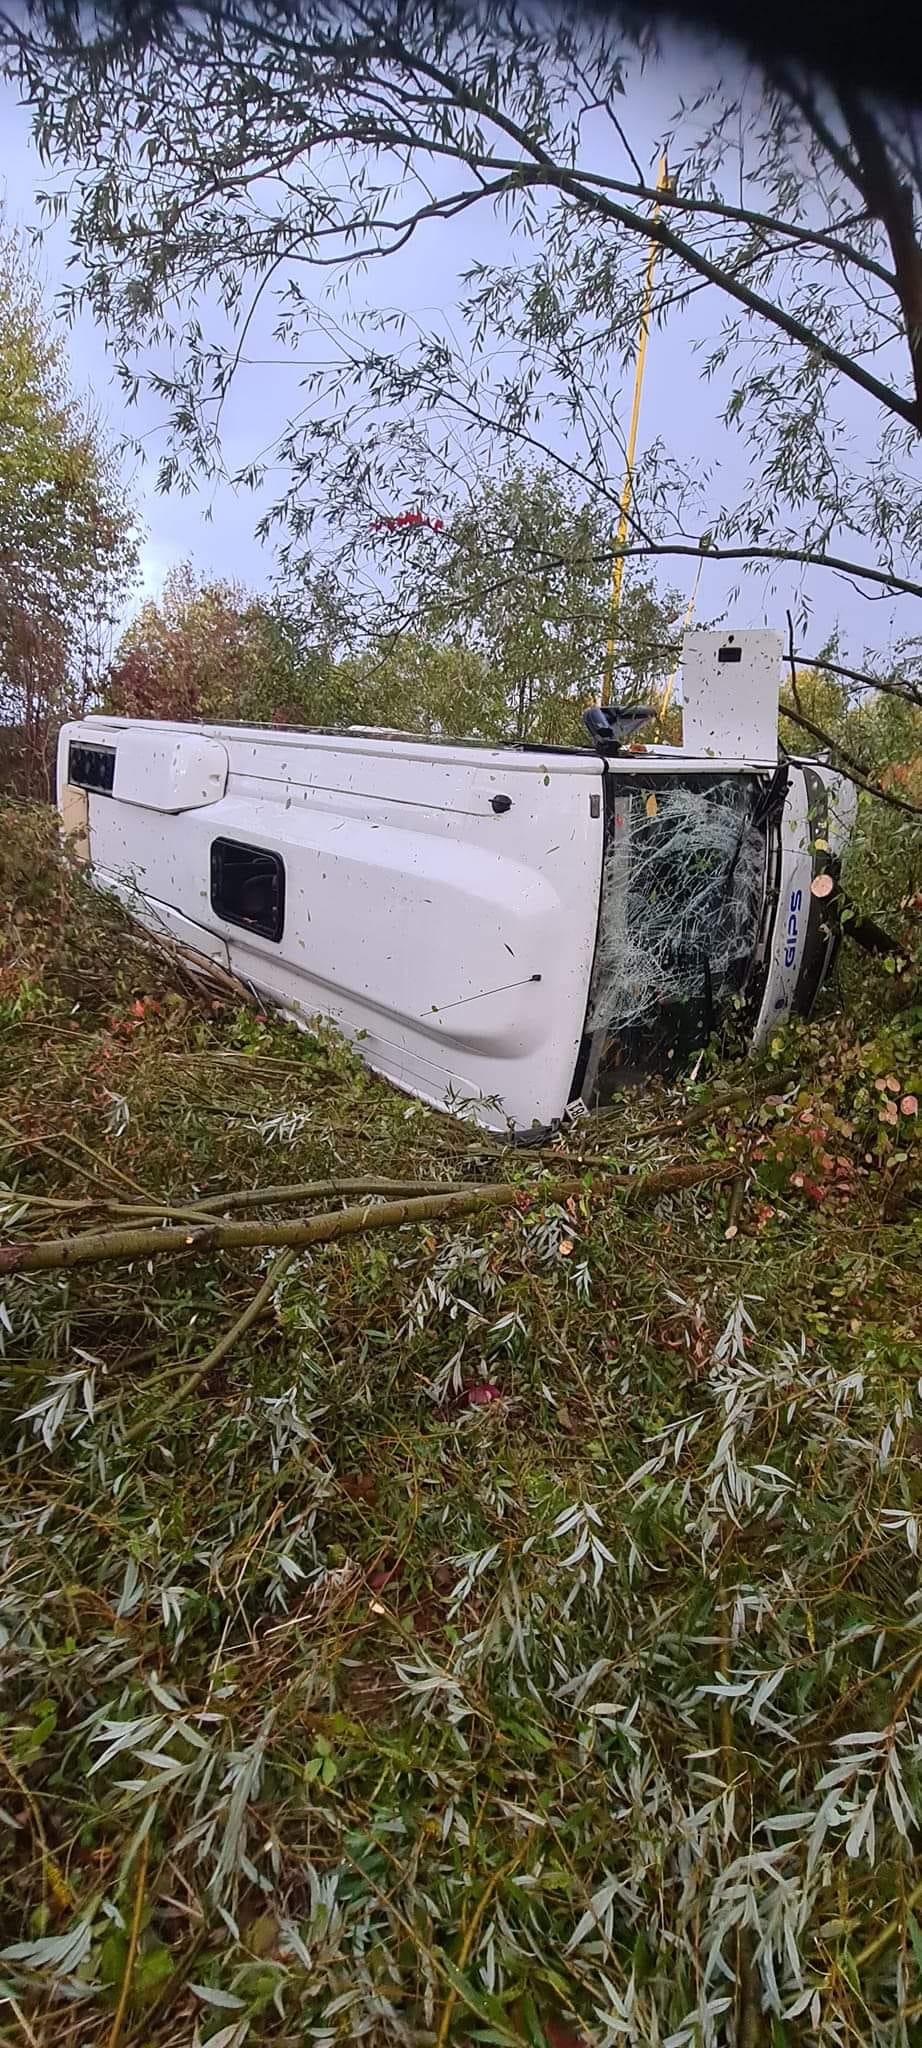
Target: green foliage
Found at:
508, 1720
206, 649
421, 685
211, 650
522, 579
66, 543
512, 615
879, 733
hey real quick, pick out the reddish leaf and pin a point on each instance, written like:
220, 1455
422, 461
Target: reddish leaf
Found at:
561, 2036
482, 1394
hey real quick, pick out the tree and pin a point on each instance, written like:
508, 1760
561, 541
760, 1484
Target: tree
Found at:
509, 595
209, 649
506, 617
522, 575
206, 649
281, 144
66, 541
880, 738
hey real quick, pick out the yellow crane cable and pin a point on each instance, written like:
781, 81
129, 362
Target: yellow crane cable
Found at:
617, 570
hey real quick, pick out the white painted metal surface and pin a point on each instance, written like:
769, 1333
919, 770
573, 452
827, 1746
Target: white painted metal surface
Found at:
166, 772
458, 939
802, 920
788, 933
730, 695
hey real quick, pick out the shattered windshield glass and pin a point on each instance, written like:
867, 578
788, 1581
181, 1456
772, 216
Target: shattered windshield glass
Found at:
682, 896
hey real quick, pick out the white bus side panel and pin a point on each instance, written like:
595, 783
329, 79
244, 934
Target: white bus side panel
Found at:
457, 939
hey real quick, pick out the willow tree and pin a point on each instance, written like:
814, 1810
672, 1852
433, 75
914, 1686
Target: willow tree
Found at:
230, 158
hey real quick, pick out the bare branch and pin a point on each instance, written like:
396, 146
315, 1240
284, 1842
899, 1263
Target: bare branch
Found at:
907, 691
96, 1248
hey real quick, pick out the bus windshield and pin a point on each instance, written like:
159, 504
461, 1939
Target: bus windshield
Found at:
683, 892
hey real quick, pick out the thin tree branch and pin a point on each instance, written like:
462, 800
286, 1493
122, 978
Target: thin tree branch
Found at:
907, 692
849, 767
888, 1934
212, 1207
643, 549
94, 1248
792, 660
225, 1344
514, 173
657, 230
885, 579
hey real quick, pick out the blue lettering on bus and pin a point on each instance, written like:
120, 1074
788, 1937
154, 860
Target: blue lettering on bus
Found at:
790, 951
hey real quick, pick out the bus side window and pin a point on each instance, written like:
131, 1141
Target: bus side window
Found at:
248, 887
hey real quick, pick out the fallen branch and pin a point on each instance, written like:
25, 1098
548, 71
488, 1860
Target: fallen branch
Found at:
210, 1207
730, 1098
870, 935
82, 1205
311, 1190
220, 1350
142, 2035
132, 1950
737, 1192
94, 1248
197, 966
26, 1143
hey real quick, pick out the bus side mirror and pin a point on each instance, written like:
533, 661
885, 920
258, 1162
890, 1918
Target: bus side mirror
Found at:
610, 725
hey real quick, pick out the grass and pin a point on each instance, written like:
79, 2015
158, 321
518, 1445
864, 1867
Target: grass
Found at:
516, 1636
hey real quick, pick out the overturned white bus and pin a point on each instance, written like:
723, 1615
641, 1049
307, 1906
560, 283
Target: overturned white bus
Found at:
505, 929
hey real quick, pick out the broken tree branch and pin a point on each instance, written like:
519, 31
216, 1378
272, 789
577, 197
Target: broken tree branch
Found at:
312, 1190
94, 1248
204, 1208
204, 973
244, 1322
870, 935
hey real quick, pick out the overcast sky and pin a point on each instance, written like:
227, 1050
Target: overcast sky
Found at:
214, 527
